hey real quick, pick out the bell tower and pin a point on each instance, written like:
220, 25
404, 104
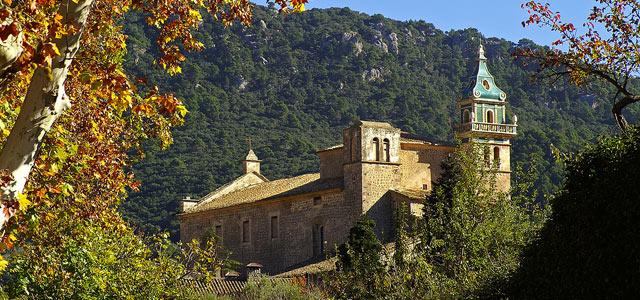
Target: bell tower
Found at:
482, 114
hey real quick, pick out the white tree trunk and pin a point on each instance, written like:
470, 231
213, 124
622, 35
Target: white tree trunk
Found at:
44, 102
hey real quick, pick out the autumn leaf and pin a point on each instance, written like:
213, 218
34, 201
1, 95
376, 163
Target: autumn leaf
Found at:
50, 50
8, 30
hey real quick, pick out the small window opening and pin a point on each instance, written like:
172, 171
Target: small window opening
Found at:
218, 232
274, 227
496, 155
318, 240
317, 201
466, 117
245, 231
387, 156
354, 150
487, 156
489, 116
376, 148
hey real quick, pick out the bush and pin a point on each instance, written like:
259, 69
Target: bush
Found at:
590, 248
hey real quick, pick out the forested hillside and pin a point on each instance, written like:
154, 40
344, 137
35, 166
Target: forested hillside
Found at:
292, 83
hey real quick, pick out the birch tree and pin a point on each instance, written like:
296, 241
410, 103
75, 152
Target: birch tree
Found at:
62, 60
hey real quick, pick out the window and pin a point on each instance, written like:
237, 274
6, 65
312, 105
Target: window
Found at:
274, 227
486, 85
218, 232
489, 116
376, 148
496, 155
318, 240
466, 116
487, 156
354, 150
245, 231
387, 156
317, 201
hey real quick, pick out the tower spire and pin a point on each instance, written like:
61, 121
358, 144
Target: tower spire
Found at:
251, 163
481, 53
482, 113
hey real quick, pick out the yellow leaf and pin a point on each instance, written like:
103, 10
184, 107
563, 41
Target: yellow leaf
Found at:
3, 262
23, 202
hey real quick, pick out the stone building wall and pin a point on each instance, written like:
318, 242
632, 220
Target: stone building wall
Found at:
420, 165
377, 179
331, 162
296, 219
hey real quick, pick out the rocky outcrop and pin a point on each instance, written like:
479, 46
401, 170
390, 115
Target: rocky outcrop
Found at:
373, 75
352, 37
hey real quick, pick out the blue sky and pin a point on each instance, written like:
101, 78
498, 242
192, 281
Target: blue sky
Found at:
494, 18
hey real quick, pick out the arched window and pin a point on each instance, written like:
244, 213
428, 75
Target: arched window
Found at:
466, 116
496, 156
387, 156
489, 116
376, 148
487, 156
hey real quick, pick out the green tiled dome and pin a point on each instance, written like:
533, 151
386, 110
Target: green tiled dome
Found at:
482, 85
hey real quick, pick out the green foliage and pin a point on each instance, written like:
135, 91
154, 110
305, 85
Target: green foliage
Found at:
265, 288
304, 84
473, 232
105, 261
360, 268
590, 246
470, 239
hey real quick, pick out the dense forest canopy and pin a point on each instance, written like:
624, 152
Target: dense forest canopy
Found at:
293, 82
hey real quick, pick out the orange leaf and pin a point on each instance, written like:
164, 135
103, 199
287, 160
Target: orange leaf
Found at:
50, 50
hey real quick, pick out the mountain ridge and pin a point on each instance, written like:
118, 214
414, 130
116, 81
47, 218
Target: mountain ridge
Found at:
292, 83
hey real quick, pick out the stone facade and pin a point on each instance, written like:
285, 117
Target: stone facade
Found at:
292, 222
287, 223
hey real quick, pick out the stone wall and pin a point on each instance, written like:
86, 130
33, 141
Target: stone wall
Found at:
296, 219
377, 179
331, 163
421, 165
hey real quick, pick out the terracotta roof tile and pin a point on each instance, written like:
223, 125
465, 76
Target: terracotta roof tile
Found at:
215, 286
268, 190
412, 193
312, 268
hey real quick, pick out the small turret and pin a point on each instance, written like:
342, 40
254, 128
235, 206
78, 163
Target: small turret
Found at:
251, 163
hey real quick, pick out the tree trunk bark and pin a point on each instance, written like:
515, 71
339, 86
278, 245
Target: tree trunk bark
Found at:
617, 111
44, 102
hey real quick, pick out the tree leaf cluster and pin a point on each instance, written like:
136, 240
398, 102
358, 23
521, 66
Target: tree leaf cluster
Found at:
470, 237
589, 247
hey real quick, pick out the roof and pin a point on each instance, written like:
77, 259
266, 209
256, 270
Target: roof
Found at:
226, 188
215, 286
482, 85
251, 156
372, 124
313, 268
336, 147
218, 286
410, 138
415, 194
268, 190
